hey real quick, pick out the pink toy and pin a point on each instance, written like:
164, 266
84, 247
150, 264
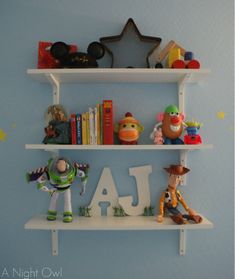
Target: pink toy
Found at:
157, 136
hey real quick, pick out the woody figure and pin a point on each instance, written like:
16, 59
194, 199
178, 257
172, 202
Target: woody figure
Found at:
171, 197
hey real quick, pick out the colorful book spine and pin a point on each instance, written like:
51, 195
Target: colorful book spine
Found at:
84, 129
101, 125
92, 126
79, 128
73, 127
87, 128
108, 122
98, 123
95, 125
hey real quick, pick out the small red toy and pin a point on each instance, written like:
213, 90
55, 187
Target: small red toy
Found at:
189, 62
193, 136
192, 139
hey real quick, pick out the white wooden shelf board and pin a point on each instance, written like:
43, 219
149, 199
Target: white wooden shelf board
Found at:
104, 223
112, 223
51, 147
118, 75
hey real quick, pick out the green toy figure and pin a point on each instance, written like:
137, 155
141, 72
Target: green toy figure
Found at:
60, 173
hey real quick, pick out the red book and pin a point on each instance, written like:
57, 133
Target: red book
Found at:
73, 128
45, 60
108, 122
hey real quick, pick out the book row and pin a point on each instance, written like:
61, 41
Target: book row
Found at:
94, 126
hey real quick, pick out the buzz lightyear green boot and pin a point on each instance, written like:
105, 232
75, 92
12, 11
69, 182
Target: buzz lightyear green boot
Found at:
51, 215
67, 217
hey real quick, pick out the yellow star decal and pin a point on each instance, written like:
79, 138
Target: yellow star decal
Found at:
3, 135
220, 114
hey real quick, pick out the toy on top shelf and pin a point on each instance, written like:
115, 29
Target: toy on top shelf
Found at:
45, 59
128, 129
57, 128
67, 59
189, 62
171, 126
177, 57
193, 136
171, 197
165, 52
60, 173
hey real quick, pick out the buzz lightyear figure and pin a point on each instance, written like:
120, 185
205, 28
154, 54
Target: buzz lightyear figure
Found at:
60, 173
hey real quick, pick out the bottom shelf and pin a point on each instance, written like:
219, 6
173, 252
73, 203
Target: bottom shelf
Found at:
114, 223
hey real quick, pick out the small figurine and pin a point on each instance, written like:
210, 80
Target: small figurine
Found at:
60, 173
119, 211
58, 128
128, 129
148, 211
193, 136
55, 112
171, 197
57, 132
84, 211
67, 59
157, 136
171, 124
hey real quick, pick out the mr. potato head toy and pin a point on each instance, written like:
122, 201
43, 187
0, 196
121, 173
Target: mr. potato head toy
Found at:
128, 129
171, 124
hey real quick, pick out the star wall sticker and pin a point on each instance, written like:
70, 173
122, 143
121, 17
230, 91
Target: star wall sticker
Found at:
130, 49
3, 135
220, 115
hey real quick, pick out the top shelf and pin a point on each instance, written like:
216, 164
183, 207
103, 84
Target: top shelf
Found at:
119, 75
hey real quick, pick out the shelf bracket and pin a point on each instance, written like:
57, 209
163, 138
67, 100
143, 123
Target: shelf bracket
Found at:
183, 162
182, 242
54, 152
54, 242
55, 88
181, 91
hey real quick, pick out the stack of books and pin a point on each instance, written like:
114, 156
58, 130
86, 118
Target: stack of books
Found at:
94, 126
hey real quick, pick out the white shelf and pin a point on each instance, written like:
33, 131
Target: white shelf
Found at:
109, 75
51, 147
104, 223
112, 223
116, 75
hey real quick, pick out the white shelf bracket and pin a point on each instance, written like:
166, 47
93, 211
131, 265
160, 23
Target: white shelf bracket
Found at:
182, 242
54, 152
181, 91
55, 88
54, 242
183, 162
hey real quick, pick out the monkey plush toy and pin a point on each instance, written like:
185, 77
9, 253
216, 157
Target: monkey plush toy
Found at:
128, 129
172, 125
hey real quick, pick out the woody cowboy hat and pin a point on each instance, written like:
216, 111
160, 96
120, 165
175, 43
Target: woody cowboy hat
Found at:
177, 169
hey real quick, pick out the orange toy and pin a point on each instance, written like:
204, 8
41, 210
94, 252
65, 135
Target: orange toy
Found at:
128, 129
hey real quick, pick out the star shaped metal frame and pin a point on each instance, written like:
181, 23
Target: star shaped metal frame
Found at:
130, 25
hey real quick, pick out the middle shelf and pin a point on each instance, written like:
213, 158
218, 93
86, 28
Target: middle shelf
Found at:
51, 147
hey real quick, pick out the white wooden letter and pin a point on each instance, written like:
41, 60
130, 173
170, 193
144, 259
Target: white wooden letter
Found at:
105, 192
141, 175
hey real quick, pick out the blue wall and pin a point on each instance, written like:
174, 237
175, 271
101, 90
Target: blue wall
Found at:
205, 27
